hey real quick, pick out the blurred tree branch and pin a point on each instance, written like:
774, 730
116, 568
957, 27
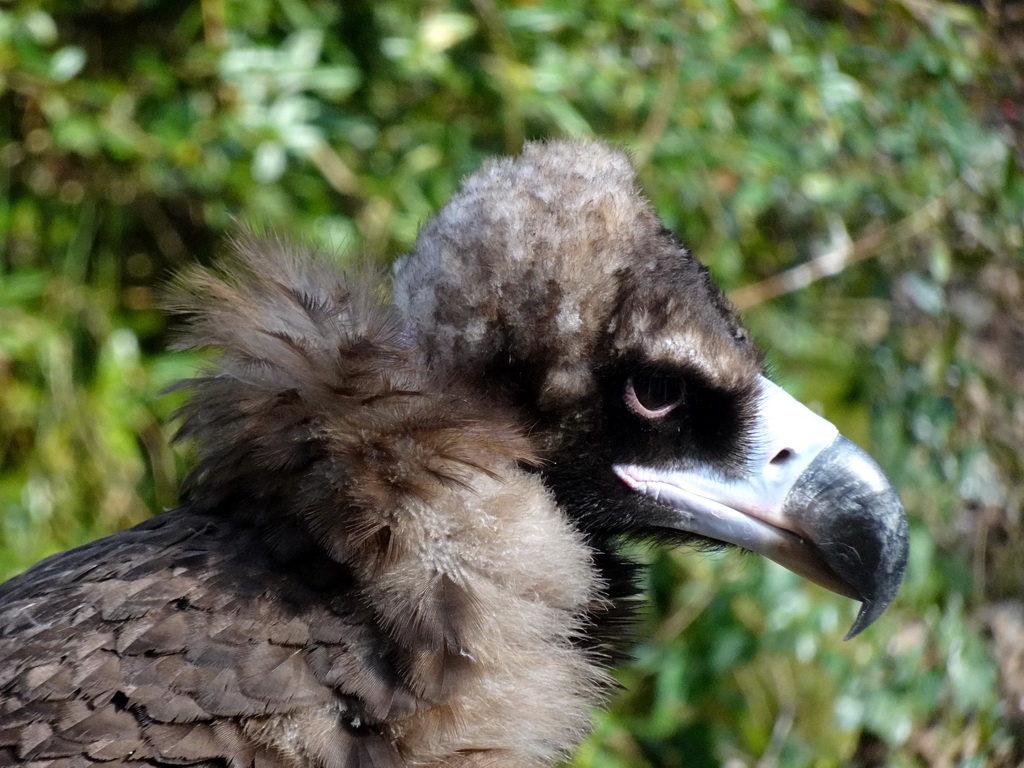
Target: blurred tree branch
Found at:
844, 254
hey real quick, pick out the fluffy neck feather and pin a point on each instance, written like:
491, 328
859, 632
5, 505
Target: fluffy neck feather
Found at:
317, 426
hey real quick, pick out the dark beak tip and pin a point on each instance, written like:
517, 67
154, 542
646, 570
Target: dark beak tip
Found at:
880, 588
883, 585
862, 529
869, 612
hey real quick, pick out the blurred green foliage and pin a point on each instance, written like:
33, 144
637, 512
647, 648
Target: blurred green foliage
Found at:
869, 140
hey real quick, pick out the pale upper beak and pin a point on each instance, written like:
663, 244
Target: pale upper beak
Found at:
812, 501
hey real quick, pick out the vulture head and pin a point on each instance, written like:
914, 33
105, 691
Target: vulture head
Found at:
399, 545
549, 282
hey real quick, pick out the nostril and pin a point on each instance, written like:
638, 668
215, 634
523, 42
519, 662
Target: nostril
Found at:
783, 456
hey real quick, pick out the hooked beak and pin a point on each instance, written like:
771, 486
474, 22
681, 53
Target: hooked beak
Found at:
813, 502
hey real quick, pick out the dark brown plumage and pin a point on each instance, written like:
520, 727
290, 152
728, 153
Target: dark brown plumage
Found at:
398, 545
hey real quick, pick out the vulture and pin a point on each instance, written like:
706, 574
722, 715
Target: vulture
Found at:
401, 543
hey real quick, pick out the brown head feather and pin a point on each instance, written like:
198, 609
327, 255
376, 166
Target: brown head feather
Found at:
545, 263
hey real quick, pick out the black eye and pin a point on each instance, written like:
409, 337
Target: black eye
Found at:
652, 395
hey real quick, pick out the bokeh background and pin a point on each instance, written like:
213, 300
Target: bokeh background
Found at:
849, 169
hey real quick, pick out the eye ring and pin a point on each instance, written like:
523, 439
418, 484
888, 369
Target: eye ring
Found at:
653, 395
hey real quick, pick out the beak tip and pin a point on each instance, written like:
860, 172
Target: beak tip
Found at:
867, 544
869, 612
882, 586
